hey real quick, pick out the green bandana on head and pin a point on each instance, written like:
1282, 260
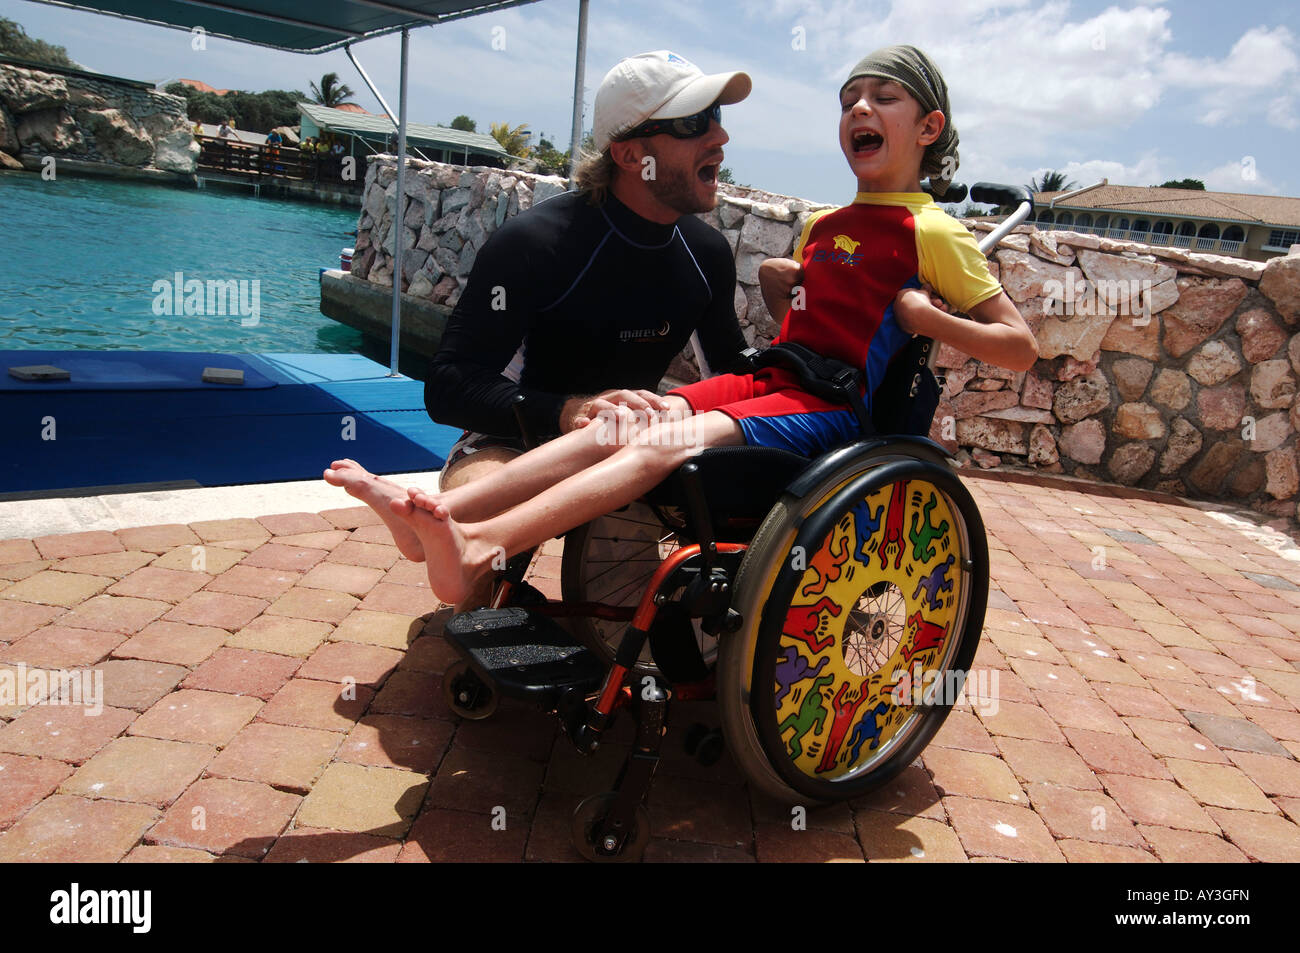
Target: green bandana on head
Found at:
917, 73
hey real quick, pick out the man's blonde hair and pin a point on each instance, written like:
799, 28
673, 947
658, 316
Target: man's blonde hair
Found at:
595, 174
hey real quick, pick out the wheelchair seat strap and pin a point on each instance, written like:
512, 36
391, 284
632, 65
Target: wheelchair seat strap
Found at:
826, 377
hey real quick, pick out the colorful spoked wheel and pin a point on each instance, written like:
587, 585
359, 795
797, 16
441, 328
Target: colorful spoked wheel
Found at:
863, 605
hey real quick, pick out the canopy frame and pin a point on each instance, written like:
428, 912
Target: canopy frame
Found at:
249, 14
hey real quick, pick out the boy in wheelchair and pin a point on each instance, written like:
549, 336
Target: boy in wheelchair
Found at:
859, 295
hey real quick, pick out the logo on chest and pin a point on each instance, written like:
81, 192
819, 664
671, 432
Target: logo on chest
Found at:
843, 251
634, 335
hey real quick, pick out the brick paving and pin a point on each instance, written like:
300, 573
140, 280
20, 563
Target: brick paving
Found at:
271, 692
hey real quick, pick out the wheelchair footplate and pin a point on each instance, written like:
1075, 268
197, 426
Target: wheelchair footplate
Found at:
524, 655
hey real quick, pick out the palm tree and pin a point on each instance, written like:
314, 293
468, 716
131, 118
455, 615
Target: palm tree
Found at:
330, 92
514, 141
1050, 182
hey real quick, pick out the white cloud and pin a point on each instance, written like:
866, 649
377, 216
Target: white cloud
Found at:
1240, 176
1237, 88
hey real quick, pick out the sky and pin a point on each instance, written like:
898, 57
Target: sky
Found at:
1136, 92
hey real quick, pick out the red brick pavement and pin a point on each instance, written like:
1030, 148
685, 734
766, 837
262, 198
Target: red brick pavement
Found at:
271, 693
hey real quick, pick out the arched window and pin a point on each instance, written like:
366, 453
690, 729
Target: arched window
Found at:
1046, 217
1163, 228
1187, 228
1065, 220
1085, 220
1103, 222
1234, 233
1142, 225
1208, 230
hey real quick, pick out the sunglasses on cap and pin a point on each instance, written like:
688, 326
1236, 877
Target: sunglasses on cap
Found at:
686, 127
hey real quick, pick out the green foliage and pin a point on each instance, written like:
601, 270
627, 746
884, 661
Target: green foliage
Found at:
464, 124
255, 112
1050, 182
514, 141
330, 92
1196, 184
550, 160
724, 175
15, 42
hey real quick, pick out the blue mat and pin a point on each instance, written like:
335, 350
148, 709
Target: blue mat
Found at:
155, 425
127, 370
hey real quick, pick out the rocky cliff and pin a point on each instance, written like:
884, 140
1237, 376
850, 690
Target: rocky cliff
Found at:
92, 123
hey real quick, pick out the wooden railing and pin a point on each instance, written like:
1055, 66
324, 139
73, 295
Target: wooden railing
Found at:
262, 161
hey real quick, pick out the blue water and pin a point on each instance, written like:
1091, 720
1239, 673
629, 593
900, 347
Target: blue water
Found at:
82, 257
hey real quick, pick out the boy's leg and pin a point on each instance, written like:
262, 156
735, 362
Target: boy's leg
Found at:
376, 492
535, 471
458, 553
467, 469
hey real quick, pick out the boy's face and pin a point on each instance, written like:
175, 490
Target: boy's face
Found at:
884, 133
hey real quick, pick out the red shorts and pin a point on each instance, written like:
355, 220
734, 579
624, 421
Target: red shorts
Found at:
773, 411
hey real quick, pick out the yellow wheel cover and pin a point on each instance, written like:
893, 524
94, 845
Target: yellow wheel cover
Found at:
869, 629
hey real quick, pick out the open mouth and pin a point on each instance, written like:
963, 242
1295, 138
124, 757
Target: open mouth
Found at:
708, 174
865, 142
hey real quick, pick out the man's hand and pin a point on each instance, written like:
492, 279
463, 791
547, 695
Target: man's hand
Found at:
577, 412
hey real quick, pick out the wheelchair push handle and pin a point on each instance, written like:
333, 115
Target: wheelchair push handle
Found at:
990, 193
956, 192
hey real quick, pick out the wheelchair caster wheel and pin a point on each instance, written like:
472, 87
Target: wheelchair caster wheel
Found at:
704, 744
468, 695
587, 819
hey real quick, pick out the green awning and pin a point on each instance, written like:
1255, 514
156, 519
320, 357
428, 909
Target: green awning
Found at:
299, 26
417, 133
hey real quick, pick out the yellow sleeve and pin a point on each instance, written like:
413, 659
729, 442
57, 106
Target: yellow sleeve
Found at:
951, 262
807, 227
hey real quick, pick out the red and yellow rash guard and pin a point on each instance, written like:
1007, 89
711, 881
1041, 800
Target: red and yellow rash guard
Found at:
855, 259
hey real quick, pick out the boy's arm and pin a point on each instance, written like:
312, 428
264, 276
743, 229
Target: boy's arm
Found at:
777, 279
997, 334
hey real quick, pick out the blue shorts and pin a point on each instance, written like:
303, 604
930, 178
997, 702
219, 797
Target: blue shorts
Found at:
773, 411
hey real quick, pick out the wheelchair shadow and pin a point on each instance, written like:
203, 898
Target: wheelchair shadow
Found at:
412, 779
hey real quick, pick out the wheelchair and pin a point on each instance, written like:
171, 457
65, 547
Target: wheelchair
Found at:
832, 606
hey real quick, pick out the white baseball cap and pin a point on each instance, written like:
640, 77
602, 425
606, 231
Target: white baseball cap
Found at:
659, 85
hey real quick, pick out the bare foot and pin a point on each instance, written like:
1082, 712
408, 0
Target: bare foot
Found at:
429, 501
450, 576
384, 497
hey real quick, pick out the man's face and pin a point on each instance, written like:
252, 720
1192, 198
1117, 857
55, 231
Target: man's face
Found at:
684, 174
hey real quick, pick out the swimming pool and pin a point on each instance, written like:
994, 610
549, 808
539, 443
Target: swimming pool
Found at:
94, 264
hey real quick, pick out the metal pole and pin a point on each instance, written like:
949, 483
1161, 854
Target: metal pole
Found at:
374, 89
398, 226
575, 140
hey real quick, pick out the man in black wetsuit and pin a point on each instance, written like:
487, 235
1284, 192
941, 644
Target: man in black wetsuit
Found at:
581, 303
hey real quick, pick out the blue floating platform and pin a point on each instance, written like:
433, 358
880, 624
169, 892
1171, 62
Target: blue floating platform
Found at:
131, 418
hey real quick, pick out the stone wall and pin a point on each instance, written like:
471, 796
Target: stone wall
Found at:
1158, 367
92, 122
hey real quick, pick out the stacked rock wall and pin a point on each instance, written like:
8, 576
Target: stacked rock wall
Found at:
93, 120
1158, 367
